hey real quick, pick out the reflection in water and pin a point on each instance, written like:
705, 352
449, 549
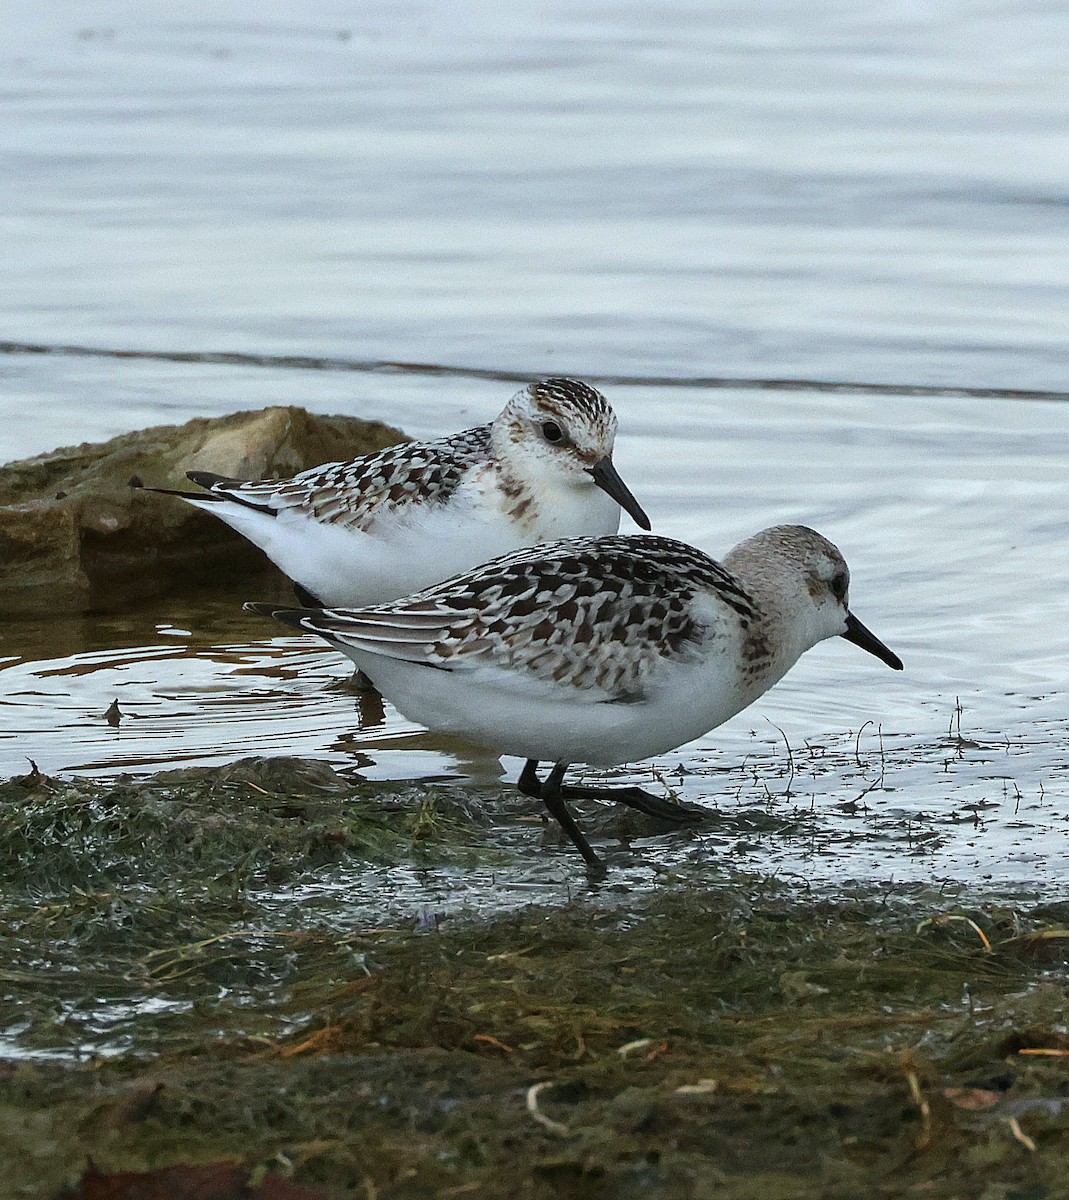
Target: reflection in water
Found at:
371, 709
188, 704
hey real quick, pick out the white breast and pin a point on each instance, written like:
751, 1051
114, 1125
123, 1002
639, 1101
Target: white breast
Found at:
410, 548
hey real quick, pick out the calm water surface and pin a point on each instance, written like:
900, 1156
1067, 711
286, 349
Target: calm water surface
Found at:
683, 189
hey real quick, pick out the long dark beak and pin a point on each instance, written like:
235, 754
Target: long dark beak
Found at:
608, 479
860, 636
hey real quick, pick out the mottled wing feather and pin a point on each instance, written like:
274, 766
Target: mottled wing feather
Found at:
355, 494
586, 613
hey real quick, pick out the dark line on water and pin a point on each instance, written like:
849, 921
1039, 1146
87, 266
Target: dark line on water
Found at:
383, 366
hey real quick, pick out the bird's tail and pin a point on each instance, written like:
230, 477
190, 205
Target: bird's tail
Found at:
208, 481
199, 497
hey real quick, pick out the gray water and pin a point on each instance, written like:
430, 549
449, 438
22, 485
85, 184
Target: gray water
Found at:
689, 190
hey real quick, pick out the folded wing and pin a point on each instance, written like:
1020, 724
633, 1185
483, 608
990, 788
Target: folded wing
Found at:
585, 613
358, 493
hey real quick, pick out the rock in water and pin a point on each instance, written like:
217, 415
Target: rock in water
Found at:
74, 535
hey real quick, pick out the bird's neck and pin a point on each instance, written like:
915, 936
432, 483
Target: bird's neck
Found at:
783, 628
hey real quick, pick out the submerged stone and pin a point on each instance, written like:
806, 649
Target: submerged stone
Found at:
77, 533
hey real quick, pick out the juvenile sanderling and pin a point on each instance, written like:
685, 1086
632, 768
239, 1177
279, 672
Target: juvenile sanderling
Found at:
600, 650
370, 530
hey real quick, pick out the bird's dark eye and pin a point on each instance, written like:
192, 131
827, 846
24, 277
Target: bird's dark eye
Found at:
839, 585
552, 432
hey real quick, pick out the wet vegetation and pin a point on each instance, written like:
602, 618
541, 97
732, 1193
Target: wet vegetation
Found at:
199, 972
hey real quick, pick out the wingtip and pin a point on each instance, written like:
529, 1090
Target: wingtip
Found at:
221, 489
194, 497
208, 479
265, 609
287, 615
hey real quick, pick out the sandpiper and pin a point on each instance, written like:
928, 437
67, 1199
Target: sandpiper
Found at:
350, 534
600, 650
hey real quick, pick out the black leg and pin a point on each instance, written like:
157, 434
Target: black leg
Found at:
634, 797
553, 793
549, 792
553, 800
528, 782
370, 707
360, 681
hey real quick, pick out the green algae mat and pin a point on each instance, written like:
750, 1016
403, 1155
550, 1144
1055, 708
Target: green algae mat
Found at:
209, 988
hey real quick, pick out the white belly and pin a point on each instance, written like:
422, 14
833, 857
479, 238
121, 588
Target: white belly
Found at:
518, 716
348, 568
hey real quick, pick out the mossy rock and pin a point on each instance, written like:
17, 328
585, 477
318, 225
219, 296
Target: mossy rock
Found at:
75, 535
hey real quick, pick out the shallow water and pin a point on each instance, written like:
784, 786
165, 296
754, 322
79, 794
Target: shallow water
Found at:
691, 188
950, 519
688, 190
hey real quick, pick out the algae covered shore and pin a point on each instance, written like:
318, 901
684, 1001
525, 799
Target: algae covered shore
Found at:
259, 975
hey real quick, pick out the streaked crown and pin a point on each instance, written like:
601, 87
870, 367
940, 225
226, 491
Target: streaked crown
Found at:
565, 421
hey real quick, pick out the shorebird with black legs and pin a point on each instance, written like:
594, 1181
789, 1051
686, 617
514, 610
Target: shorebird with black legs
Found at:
363, 532
600, 650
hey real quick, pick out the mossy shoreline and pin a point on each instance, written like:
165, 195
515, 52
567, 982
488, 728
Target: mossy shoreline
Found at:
185, 983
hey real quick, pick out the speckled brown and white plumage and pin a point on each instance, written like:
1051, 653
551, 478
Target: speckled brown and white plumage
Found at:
355, 495
593, 614
369, 530
599, 650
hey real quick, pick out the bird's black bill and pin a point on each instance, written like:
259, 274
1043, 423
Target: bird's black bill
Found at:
860, 636
608, 479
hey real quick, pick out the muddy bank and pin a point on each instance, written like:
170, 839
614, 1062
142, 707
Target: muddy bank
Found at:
74, 534
179, 988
